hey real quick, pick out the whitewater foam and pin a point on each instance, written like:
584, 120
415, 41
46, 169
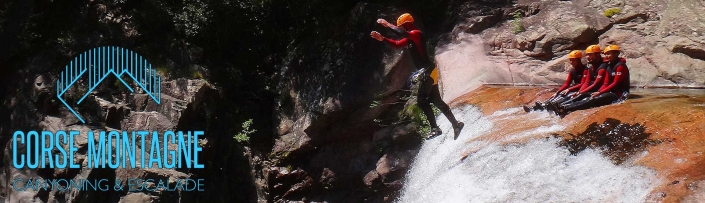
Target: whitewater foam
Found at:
536, 171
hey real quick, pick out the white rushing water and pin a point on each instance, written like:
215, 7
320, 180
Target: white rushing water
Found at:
537, 171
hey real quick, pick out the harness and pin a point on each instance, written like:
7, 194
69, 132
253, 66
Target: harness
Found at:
421, 59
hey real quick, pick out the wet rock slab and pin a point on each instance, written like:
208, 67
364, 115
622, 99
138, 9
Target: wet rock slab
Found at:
658, 128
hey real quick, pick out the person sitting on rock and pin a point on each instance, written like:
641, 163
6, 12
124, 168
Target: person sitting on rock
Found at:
615, 87
428, 74
577, 77
596, 70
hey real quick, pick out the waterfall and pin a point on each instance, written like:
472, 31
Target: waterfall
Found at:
537, 170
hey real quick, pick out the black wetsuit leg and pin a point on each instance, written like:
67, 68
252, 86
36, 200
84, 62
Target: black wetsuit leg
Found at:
424, 102
600, 100
555, 100
576, 99
559, 99
437, 100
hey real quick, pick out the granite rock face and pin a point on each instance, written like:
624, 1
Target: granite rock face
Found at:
663, 42
106, 114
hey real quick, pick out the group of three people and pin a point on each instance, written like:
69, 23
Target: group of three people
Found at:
602, 81
605, 80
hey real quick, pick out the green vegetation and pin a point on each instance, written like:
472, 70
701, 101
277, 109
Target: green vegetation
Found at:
162, 70
192, 17
417, 116
517, 27
374, 104
612, 11
276, 158
195, 74
377, 103
244, 135
121, 87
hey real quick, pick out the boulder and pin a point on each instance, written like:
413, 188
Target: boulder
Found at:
661, 40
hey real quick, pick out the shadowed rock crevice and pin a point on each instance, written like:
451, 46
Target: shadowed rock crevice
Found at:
692, 50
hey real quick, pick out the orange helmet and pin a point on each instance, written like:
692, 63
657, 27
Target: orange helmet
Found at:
611, 48
593, 49
575, 54
404, 18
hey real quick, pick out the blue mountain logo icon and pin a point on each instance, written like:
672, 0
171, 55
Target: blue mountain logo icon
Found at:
99, 63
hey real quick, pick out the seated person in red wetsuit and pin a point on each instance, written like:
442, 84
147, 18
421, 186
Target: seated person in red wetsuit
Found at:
615, 87
596, 69
428, 89
576, 78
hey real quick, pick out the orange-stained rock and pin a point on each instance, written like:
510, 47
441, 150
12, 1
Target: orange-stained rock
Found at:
674, 115
491, 99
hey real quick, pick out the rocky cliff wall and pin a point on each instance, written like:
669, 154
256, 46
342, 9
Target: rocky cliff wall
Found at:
528, 43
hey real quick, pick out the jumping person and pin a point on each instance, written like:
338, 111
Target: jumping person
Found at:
615, 87
428, 74
577, 77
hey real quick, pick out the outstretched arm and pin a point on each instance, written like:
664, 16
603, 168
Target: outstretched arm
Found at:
565, 85
585, 79
397, 43
394, 43
397, 30
598, 81
619, 77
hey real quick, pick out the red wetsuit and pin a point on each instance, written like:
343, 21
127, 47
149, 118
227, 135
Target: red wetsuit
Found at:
416, 39
618, 78
616, 82
576, 77
596, 73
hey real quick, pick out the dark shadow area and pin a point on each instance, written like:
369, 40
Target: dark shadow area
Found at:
90, 195
616, 140
227, 173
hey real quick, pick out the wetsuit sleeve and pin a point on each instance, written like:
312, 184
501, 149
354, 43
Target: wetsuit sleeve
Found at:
585, 84
606, 81
399, 31
397, 43
566, 84
578, 86
619, 76
598, 80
